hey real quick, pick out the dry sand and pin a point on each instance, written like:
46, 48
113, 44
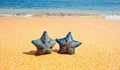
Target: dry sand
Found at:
100, 37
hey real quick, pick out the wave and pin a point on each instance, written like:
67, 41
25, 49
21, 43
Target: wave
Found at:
113, 17
16, 15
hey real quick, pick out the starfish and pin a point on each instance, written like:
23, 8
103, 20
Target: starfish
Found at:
67, 44
44, 44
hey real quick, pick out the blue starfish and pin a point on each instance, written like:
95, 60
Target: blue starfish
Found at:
67, 44
44, 44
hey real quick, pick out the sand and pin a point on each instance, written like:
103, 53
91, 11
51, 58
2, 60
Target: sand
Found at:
100, 37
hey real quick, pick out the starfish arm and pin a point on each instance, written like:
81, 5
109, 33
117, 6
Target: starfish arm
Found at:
45, 37
52, 43
62, 50
40, 52
60, 41
76, 43
39, 43
71, 51
69, 36
49, 51
47, 45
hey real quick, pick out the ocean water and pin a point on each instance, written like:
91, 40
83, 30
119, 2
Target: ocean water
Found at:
104, 7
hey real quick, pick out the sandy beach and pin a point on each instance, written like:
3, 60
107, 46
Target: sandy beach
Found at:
100, 49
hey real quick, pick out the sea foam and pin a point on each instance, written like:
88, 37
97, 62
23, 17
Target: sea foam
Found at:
16, 15
113, 17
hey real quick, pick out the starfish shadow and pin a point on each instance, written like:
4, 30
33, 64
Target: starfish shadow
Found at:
33, 52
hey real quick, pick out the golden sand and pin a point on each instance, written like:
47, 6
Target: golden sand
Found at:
100, 49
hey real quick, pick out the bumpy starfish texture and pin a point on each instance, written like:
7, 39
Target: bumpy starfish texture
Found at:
67, 44
44, 44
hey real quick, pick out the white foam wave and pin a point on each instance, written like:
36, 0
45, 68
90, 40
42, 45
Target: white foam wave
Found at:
16, 15
113, 17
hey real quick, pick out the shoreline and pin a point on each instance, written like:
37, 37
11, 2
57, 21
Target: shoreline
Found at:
108, 17
48, 14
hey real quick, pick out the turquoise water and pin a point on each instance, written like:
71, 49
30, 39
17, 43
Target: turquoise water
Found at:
60, 6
